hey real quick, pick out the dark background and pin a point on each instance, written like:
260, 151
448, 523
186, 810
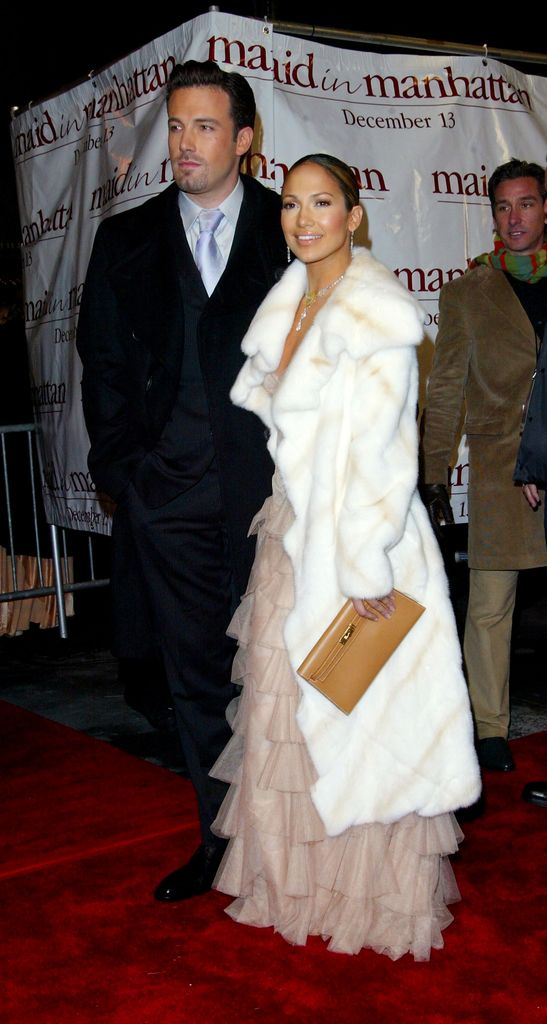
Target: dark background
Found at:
58, 45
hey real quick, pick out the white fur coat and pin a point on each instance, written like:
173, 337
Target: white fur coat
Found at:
343, 433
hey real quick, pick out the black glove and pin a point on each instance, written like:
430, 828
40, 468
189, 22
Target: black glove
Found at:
436, 500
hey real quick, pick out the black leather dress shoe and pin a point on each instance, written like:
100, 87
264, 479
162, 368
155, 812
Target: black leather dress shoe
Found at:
494, 754
193, 878
535, 793
146, 691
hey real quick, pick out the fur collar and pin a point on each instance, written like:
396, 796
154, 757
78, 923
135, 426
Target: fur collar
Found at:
368, 311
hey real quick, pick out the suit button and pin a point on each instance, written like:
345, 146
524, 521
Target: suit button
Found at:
148, 384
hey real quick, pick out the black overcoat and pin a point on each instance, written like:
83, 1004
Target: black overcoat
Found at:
130, 338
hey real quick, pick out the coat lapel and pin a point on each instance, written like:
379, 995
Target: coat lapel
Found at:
243, 284
185, 265
499, 293
147, 281
368, 311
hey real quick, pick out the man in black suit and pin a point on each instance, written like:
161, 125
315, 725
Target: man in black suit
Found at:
160, 346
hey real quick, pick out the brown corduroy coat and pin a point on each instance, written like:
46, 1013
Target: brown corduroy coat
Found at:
485, 354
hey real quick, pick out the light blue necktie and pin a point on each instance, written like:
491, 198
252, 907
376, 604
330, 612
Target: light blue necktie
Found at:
208, 256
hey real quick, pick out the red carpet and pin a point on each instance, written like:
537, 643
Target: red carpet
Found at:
88, 831
67, 795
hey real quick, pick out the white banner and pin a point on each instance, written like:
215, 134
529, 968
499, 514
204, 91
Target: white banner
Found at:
423, 134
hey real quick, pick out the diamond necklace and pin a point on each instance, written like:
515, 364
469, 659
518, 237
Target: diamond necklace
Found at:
311, 297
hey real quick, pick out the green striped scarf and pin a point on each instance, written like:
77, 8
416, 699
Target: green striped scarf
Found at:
526, 268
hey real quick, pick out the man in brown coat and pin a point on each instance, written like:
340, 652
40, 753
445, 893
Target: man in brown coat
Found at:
492, 321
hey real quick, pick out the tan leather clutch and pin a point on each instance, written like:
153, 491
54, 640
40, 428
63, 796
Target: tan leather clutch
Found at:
352, 650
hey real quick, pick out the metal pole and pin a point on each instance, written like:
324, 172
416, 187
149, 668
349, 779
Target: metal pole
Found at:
8, 511
34, 508
57, 573
406, 42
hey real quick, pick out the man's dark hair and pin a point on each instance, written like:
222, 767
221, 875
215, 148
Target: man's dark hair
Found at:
516, 169
198, 73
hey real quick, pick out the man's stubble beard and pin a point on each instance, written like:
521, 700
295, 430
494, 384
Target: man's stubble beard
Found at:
193, 182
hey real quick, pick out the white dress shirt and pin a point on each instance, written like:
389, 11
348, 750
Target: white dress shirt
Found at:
224, 235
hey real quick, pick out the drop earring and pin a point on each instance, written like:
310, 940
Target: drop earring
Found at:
289, 254
351, 242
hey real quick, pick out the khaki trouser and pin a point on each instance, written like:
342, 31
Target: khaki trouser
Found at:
487, 647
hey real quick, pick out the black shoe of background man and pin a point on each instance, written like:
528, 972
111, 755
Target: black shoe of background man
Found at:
192, 879
494, 754
535, 793
146, 691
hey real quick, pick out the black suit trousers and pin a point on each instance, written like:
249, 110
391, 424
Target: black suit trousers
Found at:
181, 551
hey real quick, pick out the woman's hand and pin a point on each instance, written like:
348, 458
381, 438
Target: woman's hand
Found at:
370, 607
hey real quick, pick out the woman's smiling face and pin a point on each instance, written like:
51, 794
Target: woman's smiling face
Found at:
315, 219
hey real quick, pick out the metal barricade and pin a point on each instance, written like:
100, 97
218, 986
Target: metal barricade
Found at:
62, 583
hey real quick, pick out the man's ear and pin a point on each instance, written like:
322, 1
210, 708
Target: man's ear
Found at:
244, 139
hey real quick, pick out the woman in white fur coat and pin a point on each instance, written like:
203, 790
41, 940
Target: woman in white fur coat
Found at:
341, 825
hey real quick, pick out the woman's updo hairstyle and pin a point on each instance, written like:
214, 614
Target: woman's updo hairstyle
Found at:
342, 174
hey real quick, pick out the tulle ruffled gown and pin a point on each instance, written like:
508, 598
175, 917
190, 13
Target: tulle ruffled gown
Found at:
383, 887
